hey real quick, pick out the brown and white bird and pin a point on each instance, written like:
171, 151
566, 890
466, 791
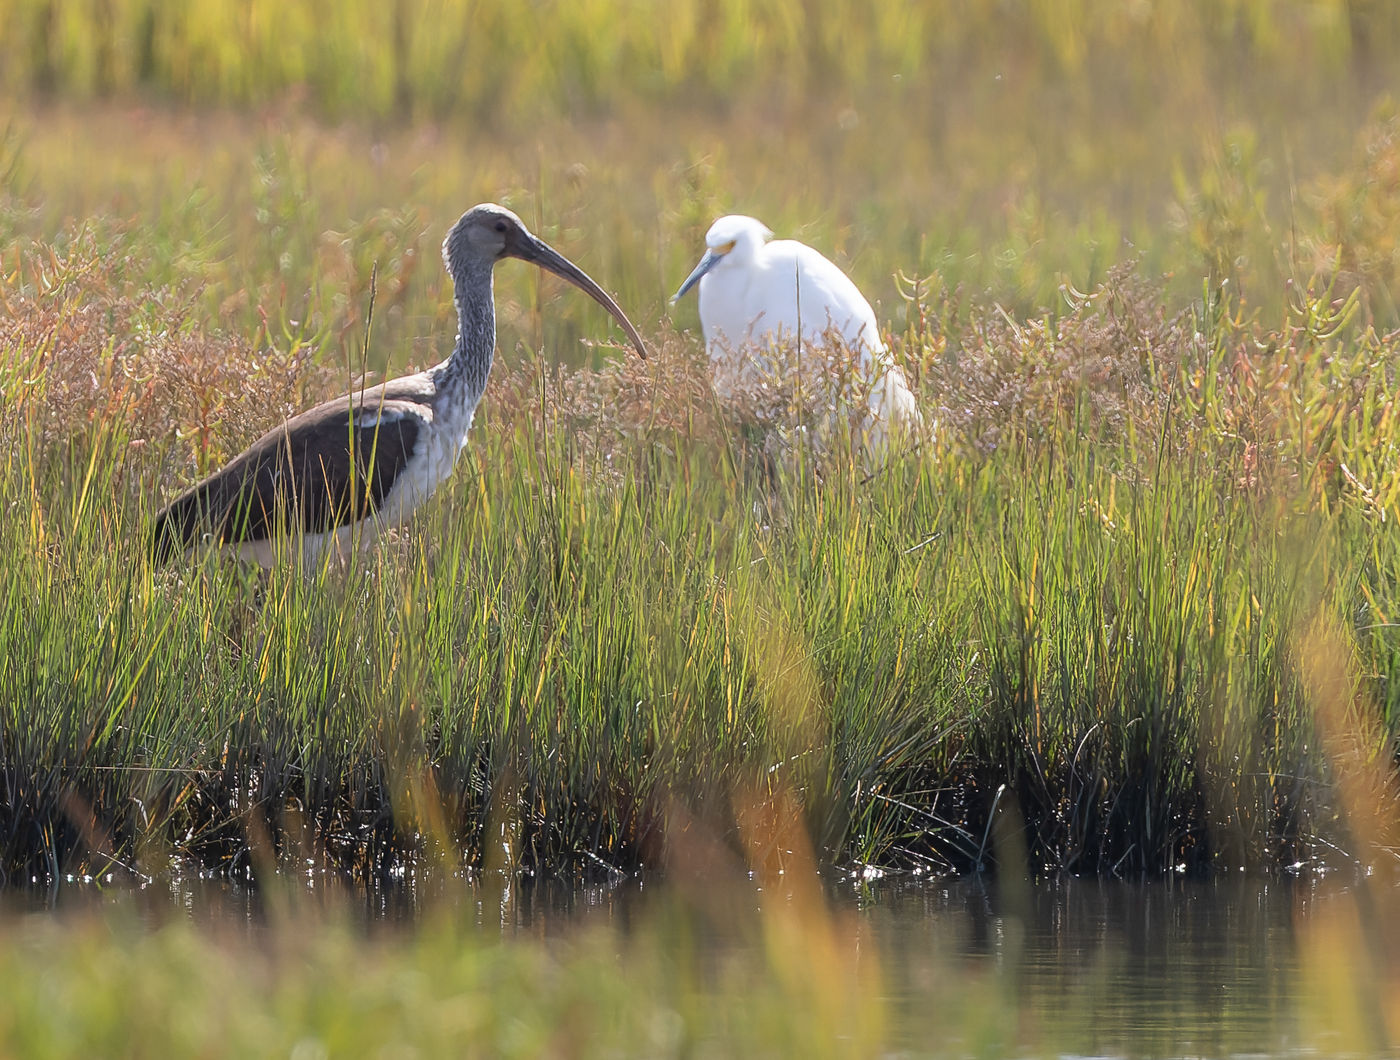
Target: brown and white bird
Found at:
334, 477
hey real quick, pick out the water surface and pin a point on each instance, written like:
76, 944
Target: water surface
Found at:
1069, 968
1106, 968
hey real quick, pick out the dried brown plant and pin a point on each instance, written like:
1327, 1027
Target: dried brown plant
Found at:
81, 352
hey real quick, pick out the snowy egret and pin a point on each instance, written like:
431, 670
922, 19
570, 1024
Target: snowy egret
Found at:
755, 293
331, 478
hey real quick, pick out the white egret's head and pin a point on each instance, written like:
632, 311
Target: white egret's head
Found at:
732, 241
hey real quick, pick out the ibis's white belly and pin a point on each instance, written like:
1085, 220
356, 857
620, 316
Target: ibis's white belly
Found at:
312, 549
431, 465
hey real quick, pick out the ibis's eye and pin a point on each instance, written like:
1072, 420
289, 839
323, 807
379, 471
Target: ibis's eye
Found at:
500, 226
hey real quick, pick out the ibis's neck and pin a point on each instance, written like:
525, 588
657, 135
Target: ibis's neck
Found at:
461, 379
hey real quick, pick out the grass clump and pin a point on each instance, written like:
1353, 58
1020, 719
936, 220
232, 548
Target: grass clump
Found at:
1072, 632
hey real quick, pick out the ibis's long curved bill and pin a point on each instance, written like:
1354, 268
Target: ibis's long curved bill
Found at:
708, 262
532, 249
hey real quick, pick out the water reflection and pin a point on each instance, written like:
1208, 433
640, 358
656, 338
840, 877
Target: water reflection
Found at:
1106, 968
494, 903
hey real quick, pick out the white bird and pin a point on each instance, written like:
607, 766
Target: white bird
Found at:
330, 479
755, 293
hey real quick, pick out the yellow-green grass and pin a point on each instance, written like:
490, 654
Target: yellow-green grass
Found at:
1088, 606
1133, 611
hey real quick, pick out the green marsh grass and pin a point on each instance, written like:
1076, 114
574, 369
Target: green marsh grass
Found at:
1133, 613
1078, 608
626, 613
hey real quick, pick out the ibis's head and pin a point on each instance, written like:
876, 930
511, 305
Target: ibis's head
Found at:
731, 242
488, 233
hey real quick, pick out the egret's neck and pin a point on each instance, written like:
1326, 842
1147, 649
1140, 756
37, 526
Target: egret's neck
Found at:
461, 379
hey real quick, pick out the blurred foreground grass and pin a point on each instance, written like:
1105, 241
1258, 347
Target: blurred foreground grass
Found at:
714, 969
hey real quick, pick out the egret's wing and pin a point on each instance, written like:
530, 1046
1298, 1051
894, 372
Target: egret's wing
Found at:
830, 299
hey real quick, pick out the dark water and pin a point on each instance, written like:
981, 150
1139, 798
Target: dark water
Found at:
1108, 969
1083, 968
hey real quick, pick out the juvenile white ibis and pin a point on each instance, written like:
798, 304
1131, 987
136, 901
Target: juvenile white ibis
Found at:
755, 293
335, 476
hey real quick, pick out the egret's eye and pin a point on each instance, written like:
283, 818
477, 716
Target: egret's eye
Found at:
500, 226
725, 248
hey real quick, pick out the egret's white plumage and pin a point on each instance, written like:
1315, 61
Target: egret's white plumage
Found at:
755, 293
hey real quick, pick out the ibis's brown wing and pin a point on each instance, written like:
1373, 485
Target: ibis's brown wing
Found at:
326, 468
